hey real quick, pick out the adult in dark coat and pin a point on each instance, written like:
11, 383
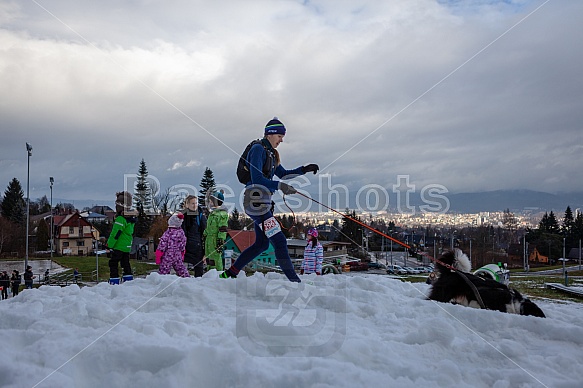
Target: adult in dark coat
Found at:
4, 283
194, 225
28, 277
15, 282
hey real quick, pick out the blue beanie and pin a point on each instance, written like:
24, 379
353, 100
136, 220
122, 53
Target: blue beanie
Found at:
219, 195
274, 127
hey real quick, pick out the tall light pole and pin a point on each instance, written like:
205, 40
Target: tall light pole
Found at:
29, 150
51, 233
564, 269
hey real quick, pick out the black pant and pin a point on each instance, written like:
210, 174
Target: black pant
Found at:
116, 258
15, 288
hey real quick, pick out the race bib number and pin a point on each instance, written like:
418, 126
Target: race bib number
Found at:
271, 227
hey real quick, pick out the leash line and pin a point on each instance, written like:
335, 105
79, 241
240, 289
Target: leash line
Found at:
470, 284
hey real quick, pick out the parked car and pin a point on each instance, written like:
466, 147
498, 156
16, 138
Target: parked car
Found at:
372, 265
411, 271
421, 269
396, 269
357, 266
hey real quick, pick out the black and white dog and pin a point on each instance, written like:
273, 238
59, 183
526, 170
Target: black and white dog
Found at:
453, 286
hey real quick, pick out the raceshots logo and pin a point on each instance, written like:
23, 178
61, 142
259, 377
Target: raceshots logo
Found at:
277, 317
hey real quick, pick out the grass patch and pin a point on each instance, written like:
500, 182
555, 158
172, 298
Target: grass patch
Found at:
87, 266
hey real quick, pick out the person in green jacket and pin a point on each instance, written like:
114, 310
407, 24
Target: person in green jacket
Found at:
216, 229
120, 239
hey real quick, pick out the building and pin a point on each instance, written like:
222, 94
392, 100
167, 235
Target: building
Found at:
516, 256
333, 250
92, 217
239, 240
535, 257
73, 235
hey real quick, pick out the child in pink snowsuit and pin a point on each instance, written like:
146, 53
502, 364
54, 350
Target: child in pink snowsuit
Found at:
171, 248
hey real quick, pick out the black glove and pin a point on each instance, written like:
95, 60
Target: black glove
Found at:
310, 167
220, 245
286, 189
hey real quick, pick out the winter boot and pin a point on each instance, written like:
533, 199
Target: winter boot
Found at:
127, 278
228, 274
113, 280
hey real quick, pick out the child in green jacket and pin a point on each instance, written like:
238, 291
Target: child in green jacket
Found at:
216, 229
120, 239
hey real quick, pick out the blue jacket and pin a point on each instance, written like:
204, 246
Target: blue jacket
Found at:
256, 157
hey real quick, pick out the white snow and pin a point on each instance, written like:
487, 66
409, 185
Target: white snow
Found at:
263, 331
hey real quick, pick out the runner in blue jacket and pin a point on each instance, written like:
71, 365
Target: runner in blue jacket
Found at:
263, 163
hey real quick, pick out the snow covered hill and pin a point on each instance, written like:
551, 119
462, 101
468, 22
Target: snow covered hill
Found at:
262, 331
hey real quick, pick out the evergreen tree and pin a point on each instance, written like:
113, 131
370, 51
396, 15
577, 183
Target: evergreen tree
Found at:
42, 236
351, 231
335, 230
568, 223
142, 191
206, 183
553, 224
234, 220
13, 204
143, 202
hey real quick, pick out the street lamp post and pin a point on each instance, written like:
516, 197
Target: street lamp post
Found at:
52, 231
29, 150
470, 250
391, 251
564, 269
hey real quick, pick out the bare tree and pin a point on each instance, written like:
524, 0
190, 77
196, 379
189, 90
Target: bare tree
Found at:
166, 202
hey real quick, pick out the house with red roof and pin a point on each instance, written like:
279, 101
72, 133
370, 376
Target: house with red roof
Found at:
73, 235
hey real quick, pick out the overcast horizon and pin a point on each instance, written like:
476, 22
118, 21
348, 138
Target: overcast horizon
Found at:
467, 96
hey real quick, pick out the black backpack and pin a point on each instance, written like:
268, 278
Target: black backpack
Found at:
243, 173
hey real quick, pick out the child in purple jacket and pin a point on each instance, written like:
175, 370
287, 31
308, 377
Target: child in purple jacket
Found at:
171, 248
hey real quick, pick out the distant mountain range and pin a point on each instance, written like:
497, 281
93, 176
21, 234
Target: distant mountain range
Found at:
515, 200
486, 201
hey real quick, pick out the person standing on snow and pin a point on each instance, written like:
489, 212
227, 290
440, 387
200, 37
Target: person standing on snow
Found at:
216, 229
262, 162
121, 237
313, 254
4, 283
194, 225
28, 278
15, 282
171, 247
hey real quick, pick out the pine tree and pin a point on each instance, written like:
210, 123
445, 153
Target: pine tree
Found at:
142, 192
206, 183
234, 220
13, 204
568, 222
143, 201
42, 236
553, 224
351, 231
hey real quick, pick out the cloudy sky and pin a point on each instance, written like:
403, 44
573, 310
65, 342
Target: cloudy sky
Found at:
468, 95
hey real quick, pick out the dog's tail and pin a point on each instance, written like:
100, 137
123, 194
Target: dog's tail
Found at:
456, 259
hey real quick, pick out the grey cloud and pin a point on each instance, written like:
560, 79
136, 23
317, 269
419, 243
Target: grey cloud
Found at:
205, 78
